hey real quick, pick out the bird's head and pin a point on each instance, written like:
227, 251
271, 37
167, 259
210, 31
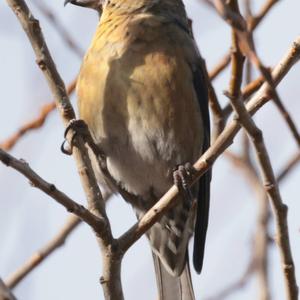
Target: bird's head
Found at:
94, 4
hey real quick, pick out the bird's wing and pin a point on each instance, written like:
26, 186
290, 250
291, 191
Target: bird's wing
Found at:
201, 88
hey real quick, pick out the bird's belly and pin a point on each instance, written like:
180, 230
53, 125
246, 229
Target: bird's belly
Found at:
144, 113
138, 165
147, 144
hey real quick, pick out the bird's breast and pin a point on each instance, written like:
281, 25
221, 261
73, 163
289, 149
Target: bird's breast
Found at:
138, 98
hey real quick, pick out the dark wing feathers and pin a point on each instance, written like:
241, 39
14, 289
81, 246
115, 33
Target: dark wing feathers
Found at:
201, 88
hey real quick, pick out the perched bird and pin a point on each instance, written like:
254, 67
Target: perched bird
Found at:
142, 90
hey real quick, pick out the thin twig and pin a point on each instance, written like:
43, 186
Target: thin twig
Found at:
36, 123
219, 67
54, 244
294, 160
261, 240
57, 24
50, 189
246, 44
216, 109
252, 178
225, 60
244, 165
47, 66
37, 258
235, 286
288, 119
247, 91
98, 223
244, 118
218, 114
261, 236
256, 20
259, 258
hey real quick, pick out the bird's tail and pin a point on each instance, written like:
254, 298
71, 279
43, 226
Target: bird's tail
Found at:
172, 287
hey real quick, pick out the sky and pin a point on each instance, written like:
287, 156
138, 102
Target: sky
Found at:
28, 218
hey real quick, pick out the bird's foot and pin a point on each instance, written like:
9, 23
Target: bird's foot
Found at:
74, 127
182, 176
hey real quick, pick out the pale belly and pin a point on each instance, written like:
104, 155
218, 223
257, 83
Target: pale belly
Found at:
144, 113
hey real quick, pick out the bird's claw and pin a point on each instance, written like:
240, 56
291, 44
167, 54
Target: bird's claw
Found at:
75, 126
182, 176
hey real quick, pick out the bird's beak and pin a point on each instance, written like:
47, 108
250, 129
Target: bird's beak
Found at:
83, 3
94, 4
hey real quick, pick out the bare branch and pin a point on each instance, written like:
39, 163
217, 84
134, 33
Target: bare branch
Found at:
256, 20
36, 123
262, 239
5, 293
259, 258
295, 159
246, 44
56, 23
50, 189
219, 67
37, 258
225, 60
46, 64
54, 244
238, 284
247, 91
244, 118
218, 114
111, 259
287, 117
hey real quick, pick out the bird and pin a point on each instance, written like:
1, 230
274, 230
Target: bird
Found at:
143, 92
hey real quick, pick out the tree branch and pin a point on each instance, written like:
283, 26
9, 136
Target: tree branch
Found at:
256, 20
36, 259
263, 216
97, 223
295, 159
46, 64
5, 293
36, 123
224, 62
56, 23
54, 244
280, 209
